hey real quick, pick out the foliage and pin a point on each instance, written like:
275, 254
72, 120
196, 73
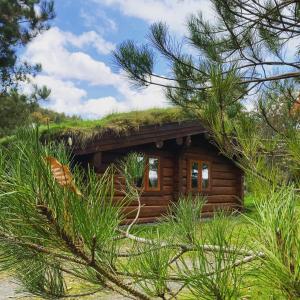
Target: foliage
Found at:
20, 22
240, 59
17, 110
14, 111
220, 281
185, 215
244, 40
133, 169
36, 210
44, 224
152, 266
279, 238
43, 116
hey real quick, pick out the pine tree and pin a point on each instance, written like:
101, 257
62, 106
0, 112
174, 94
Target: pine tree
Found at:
56, 222
247, 54
20, 22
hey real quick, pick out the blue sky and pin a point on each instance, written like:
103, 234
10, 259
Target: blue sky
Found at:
76, 53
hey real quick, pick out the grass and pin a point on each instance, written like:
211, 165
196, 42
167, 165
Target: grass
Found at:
83, 131
243, 228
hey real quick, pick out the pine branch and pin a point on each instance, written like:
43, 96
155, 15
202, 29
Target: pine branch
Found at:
185, 247
88, 260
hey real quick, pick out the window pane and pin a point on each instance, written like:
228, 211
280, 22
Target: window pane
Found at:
153, 172
139, 171
194, 175
205, 176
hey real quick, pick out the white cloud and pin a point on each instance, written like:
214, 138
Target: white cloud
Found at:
67, 61
173, 12
50, 49
90, 38
98, 20
65, 96
152, 96
68, 98
64, 67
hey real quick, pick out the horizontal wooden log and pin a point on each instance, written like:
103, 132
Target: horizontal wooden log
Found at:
169, 198
221, 199
168, 189
223, 190
223, 167
168, 162
119, 193
224, 182
207, 215
223, 175
168, 172
153, 215
168, 181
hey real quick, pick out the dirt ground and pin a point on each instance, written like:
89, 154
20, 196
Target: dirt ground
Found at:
9, 290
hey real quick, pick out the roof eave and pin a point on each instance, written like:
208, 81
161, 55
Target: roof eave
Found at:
144, 135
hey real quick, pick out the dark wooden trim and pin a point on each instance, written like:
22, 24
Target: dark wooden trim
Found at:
97, 160
180, 173
179, 141
159, 144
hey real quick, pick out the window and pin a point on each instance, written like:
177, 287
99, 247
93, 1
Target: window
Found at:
199, 176
152, 176
139, 176
194, 175
205, 176
149, 178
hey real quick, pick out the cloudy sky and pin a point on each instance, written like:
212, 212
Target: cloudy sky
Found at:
76, 52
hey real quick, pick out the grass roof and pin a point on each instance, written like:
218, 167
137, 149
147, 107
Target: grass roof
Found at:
83, 131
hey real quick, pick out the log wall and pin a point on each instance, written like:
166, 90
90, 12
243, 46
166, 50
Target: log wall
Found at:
226, 190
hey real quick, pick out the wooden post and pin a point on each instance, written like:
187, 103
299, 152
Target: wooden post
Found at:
179, 174
188, 141
159, 144
97, 161
179, 141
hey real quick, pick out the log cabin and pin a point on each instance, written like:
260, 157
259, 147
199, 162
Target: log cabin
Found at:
181, 160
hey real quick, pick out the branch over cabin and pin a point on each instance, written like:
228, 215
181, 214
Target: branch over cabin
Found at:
180, 159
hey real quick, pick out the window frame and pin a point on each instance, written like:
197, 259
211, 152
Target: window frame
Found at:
200, 163
146, 175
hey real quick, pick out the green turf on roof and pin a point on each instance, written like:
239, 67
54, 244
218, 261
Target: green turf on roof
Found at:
116, 123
